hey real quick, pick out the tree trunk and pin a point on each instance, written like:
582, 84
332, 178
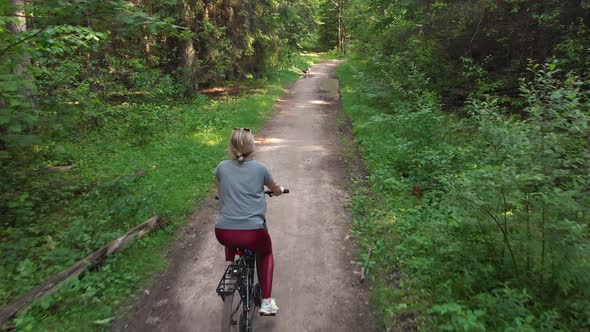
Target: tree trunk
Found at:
188, 53
22, 61
147, 48
340, 28
18, 61
341, 43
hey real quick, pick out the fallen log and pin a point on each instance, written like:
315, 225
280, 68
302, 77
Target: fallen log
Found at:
52, 283
60, 169
134, 176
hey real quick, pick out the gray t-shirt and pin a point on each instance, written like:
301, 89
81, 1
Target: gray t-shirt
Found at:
241, 197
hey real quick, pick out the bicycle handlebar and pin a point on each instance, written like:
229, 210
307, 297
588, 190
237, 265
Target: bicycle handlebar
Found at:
271, 194
267, 192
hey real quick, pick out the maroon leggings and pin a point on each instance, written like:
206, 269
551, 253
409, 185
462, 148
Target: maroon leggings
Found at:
256, 240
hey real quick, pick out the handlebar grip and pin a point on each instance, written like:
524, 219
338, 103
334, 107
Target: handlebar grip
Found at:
270, 194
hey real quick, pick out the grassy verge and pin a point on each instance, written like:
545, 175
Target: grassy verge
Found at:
142, 159
375, 213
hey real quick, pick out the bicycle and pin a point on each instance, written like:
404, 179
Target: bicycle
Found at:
239, 276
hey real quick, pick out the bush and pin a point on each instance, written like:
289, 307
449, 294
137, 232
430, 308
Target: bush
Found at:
487, 216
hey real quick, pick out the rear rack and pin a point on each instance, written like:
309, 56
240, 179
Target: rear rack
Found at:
230, 280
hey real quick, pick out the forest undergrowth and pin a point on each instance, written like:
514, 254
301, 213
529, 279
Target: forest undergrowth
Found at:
474, 223
474, 120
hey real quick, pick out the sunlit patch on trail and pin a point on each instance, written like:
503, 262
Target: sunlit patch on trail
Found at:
320, 102
313, 148
270, 147
270, 140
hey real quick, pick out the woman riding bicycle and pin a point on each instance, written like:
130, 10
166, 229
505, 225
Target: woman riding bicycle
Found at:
241, 222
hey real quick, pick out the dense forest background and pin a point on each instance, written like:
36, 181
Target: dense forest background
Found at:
472, 117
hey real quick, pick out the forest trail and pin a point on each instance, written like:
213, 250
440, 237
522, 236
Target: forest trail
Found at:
314, 283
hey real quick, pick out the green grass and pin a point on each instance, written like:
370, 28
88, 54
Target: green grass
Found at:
382, 204
176, 146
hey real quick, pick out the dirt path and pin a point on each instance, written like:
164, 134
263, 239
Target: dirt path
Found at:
314, 283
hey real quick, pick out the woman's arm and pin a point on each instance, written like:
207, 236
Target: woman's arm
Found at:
275, 188
218, 189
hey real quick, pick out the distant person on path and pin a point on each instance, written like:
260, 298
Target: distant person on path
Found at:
241, 221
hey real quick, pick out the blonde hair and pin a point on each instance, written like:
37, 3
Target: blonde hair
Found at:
241, 144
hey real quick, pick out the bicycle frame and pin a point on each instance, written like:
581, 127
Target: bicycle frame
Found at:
240, 276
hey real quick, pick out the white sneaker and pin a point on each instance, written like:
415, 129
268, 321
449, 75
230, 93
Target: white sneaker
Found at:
269, 307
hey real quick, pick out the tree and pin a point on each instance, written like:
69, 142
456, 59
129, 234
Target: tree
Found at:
18, 26
16, 85
332, 31
188, 53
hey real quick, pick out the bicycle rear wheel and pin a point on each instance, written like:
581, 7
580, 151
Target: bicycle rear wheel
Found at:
246, 326
232, 309
257, 296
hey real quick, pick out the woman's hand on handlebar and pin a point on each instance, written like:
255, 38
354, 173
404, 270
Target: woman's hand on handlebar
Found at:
282, 191
268, 192
275, 189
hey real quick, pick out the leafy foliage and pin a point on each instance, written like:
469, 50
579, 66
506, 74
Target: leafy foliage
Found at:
477, 207
500, 37
484, 220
